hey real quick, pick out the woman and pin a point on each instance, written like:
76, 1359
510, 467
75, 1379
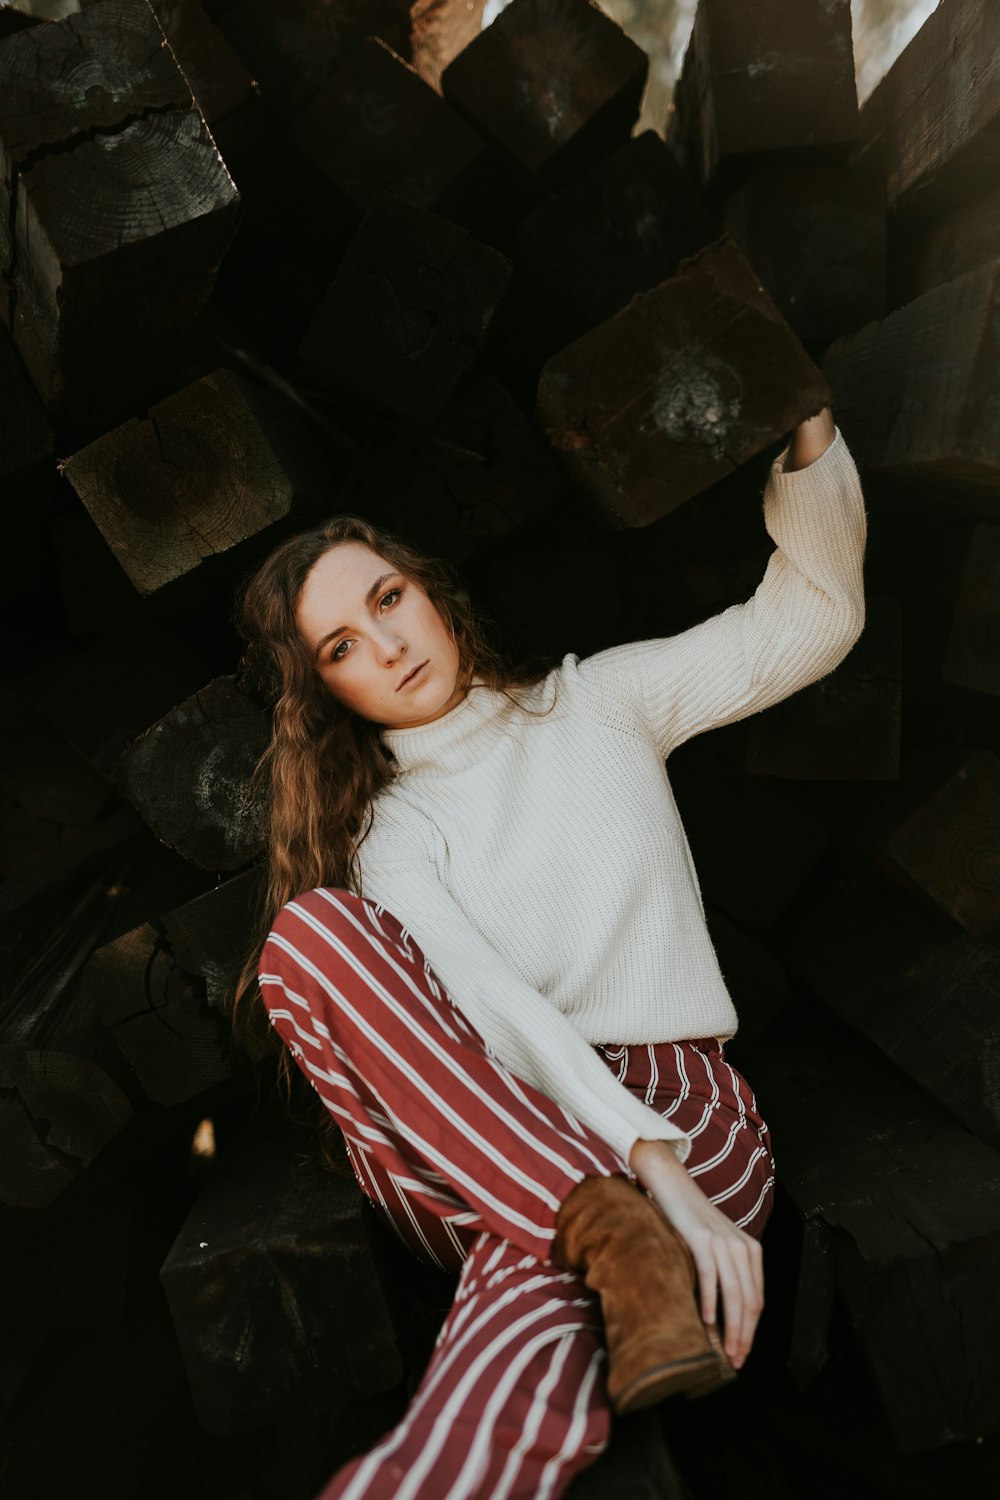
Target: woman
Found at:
487, 953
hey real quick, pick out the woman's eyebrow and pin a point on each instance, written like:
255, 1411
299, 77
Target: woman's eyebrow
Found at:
383, 578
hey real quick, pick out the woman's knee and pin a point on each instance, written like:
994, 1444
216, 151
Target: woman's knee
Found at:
306, 930
328, 931
325, 907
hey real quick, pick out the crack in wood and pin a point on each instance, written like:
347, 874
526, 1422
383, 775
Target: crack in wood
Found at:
31, 158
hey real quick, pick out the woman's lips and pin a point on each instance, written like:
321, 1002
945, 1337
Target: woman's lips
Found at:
413, 677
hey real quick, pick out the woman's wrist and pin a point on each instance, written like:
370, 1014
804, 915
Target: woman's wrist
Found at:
810, 441
654, 1158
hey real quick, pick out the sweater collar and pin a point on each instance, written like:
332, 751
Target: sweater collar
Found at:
457, 739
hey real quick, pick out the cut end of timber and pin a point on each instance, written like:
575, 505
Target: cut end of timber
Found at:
679, 388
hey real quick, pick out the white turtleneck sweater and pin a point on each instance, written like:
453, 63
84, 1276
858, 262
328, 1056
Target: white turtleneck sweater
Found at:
540, 862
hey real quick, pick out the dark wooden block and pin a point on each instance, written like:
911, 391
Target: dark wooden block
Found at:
676, 390
924, 253
117, 687
932, 126
933, 121
912, 1203
246, 133
543, 601
293, 46
768, 86
57, 1112
241, 125
126, 1416
816, 238
439, 31
26, 572
377, 125
847, 726
162, 990
38, 1006
698, 559
951, 846
220, 82
552, 84
619, 228
27, 443
636, 1465
13, 19
753, 843
972, 656
65, 1094
403, 322
207, 469
116, 209
925, 998
64, 1267
48, 793
111, 839
916, 394
273, 1289
93, 591
481, 476
189, 776
755, 978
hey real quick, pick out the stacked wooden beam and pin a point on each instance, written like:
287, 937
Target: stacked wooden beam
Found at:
774, 91
685, 383
264, 262
111, 184
908, 1202
932, 129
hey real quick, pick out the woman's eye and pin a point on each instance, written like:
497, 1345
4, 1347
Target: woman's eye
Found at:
334, 653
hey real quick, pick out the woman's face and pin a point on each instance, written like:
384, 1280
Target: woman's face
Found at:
366, 627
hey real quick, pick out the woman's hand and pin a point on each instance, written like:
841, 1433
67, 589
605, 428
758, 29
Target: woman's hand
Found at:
810, 439
727, 1260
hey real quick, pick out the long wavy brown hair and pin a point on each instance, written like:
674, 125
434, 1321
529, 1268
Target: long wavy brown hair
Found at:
325, 766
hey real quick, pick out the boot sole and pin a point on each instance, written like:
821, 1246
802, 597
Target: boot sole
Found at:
723, 1376
726, 1372
696, 1375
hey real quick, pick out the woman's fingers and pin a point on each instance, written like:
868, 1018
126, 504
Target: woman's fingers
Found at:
732, 1307
730, 1270
743, 1297
708, 1281
728, 1262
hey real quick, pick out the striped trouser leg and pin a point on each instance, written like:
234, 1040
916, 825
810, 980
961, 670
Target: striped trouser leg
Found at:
470, 1165
512, 1404
441, 1135
692, 1084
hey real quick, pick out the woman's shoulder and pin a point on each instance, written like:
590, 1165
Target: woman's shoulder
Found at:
605, 687
398, 831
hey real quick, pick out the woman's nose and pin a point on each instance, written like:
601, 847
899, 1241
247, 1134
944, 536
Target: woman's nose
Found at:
393, 648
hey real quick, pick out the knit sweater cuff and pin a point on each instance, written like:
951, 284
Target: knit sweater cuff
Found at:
817, 517
833, 472
637, 1121
778, 464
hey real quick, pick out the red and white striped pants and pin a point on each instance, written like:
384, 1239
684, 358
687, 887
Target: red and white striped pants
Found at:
470, 1164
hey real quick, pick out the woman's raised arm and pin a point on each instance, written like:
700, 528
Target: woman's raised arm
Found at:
804, 617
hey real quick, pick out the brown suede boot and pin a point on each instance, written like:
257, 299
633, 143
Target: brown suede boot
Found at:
644, 1273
